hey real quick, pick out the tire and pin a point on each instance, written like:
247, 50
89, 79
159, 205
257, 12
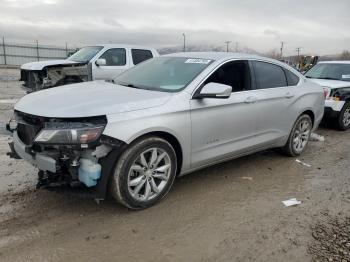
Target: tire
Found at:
343, 120
299, 136
136, 180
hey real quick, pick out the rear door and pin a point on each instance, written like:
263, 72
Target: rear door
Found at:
116, 62
274, 102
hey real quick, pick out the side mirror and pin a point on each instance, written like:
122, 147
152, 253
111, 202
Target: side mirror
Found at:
101, 62
215, 90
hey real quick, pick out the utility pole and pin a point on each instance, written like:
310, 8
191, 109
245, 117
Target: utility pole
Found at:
184, 36
236, 47
298, 51
282, 43
227, 43
3, 49
37, 49
298, 63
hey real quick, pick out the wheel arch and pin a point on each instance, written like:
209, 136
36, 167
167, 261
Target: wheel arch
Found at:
311, 114
170, 138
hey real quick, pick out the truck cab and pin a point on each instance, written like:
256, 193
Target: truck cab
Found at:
99, 62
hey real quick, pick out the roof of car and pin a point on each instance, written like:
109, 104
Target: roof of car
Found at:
215, 55
124, 45
335, 62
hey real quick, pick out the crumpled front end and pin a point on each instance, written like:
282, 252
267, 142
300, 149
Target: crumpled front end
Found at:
55, 75
32, 79
66, 151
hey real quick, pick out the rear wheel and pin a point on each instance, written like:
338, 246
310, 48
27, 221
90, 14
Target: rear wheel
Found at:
299, 136
343, 121
144, 173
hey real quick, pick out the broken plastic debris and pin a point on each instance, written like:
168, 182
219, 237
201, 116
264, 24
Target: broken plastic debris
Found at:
316, 137
247, 178
291, 202
301, 162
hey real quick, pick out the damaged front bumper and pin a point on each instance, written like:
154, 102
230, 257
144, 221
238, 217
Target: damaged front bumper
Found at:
41, 161
333, 108
69, 164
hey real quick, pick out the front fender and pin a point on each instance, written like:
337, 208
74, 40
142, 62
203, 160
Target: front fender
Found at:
127, 127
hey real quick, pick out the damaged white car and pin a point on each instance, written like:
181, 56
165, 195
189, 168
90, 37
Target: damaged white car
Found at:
102, 62
334, 76
167, 116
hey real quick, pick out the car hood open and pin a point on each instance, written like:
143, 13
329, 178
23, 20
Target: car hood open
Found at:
89, 99
41, 64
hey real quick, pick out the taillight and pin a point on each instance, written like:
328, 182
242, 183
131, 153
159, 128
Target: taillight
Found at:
325, 92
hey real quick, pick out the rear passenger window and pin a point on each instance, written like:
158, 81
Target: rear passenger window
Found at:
292, 79
139, 55
269, 75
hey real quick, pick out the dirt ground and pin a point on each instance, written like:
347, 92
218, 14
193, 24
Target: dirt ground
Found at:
228, 212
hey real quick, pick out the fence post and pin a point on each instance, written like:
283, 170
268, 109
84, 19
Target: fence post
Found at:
66, 49
37, 50
4, 49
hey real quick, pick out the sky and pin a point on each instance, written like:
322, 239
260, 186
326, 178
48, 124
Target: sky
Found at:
318, 26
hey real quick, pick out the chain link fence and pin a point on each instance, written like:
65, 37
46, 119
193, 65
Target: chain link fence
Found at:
15, 54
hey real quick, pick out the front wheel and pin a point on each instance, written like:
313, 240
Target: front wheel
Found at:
343, 120
299, 136
144, 173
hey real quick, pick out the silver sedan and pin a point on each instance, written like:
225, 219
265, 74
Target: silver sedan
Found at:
167, 116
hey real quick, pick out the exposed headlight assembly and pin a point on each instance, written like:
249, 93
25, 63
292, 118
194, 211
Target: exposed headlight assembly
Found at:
69, 133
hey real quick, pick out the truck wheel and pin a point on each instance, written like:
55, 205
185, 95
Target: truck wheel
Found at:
144, 173
343, 121
299, 136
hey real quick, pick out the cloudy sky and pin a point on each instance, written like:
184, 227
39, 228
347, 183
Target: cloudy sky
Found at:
318, 26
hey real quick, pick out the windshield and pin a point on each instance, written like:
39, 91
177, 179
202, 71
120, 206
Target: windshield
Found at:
85, 54
330, 71
168, 74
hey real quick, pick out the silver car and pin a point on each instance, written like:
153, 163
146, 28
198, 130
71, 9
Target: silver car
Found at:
166, 117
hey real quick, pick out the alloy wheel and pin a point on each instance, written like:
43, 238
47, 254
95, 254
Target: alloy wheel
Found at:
346, 117
149, 174
301, 135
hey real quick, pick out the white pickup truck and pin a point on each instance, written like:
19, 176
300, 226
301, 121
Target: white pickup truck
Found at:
334, 76
100, 62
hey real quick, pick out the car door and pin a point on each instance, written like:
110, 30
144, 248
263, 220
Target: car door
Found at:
116, 62
223, 127
274, 100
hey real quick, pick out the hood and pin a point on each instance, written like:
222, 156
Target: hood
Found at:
41, 64
89, 99
330, 83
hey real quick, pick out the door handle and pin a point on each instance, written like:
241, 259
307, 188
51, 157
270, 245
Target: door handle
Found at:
288, 95
250, 99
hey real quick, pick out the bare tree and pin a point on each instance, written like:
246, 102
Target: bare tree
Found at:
345, 55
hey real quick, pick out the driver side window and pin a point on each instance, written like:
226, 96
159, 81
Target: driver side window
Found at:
115, 57
235, 74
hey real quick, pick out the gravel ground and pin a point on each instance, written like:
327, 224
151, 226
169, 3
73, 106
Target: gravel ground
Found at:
228, 212
332, 240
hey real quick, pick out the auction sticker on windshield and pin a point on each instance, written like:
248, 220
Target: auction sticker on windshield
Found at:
197, 61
